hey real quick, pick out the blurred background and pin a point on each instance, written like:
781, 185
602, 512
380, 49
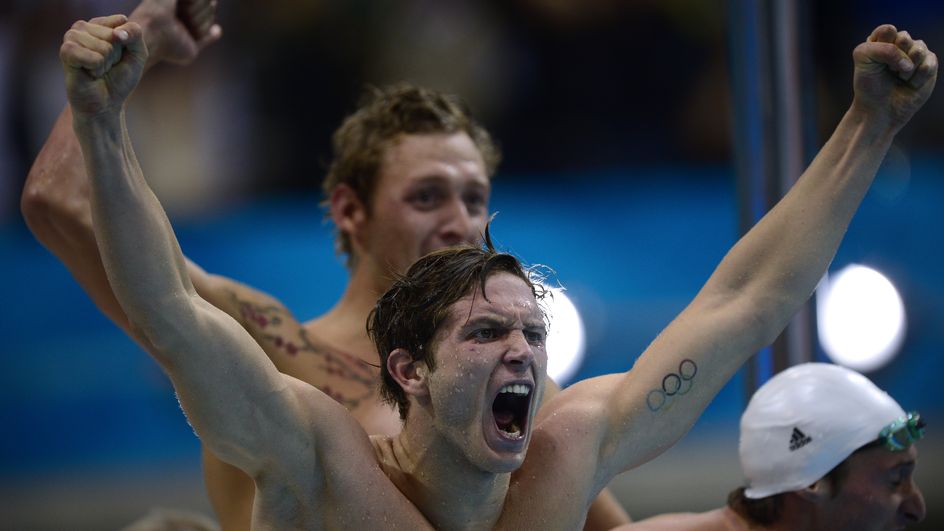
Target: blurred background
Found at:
615, 119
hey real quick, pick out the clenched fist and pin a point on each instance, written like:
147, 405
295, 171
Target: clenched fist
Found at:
894, 75
103, 61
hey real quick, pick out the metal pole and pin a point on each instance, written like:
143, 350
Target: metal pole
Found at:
768, 90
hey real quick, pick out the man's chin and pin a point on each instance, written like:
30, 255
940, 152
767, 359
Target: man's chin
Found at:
506, 455
503, 464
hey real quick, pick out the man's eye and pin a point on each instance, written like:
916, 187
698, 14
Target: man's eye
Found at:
897, 480
426, 199
485, 334
475, 203
535, 338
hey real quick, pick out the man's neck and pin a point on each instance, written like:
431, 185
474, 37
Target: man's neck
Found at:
793, 517
801, 515
344, 326
451, 492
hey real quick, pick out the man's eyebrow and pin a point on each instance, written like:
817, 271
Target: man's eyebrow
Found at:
434, 178
476, 323
499, 321
487, 319
431, 178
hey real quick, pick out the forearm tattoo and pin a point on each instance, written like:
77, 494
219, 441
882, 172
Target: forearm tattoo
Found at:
674, 384
276, 330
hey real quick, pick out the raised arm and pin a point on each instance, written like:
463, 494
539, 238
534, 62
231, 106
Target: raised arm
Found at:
55, 200
241, 406
772, 270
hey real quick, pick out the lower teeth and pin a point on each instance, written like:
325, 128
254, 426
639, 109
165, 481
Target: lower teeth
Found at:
513, 431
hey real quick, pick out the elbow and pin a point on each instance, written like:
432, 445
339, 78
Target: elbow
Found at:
48, 213
165, 327
36, 207
160, 354
756, 317
159, 345
769, 318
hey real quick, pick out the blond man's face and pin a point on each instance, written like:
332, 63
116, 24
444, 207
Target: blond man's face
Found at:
432, 192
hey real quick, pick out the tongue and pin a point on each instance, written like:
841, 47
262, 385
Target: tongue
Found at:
504, 419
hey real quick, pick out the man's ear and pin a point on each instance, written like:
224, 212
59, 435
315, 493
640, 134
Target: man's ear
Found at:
348, 212
818, 492
409, 373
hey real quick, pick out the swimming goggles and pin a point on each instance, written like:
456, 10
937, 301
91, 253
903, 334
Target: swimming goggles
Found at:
903, 432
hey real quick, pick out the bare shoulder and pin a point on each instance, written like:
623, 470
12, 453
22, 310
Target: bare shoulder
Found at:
298, 350
577, 413
572, 418
566, 404
325, 435
326, 478
265, 317
251, 307
716, 520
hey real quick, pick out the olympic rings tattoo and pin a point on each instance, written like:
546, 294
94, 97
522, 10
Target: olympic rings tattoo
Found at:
673, 384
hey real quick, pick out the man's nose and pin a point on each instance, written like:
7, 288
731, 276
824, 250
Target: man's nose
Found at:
520, 354
457, 225
913, 505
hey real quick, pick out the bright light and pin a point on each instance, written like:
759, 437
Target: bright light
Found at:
861, 318
566, 340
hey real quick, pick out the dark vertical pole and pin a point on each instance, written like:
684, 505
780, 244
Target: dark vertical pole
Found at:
767, 91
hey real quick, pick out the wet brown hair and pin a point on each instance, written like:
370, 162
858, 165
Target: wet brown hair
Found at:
382, 116
411, 313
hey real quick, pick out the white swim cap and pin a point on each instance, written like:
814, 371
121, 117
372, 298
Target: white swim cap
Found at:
806, 420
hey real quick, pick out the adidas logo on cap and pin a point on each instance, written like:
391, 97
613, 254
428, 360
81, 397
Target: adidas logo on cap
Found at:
799, 439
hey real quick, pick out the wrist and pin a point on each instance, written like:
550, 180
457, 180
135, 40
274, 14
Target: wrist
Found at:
876, 125
98, 133
151, 40
880, 121
98, 121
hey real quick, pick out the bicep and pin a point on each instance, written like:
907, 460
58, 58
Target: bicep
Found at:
237, 401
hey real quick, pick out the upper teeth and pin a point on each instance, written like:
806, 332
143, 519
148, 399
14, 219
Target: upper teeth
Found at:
518, 389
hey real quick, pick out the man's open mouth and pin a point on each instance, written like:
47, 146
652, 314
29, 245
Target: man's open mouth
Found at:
511, 409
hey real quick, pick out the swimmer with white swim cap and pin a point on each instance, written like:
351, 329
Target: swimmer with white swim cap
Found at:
822, 448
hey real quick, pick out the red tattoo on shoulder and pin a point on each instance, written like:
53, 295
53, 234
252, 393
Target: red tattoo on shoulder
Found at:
265, 321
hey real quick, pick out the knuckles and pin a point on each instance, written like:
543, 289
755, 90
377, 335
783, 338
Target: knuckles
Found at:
66, 50
888, 31
74, 37
919, 49
69, 48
